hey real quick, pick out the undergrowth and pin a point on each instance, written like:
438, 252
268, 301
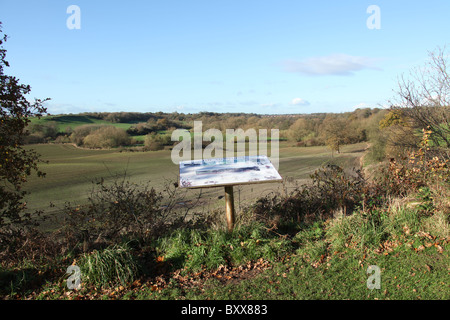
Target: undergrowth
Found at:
198, 249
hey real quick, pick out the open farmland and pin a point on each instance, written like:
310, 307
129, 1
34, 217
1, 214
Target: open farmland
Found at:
70, 172
63, 122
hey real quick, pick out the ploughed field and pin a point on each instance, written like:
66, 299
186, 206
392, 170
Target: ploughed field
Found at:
71, 171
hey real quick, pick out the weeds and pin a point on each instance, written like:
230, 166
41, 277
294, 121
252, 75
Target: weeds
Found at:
197, 249
109, 267
332, 189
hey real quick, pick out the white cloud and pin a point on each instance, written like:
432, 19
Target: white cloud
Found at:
336, 64
299, 102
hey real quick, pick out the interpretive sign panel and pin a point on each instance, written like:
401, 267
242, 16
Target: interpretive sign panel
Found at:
227, 171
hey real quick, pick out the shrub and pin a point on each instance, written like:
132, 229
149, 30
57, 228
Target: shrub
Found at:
62, 139
139, 129
26, 244
377, 151
415, 169
48, 130
114, 211
107, 137
79, 133
311, 142
154, 141
34, 138
332, 188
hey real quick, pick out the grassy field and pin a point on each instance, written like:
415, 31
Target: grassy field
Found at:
70, 172
64, 121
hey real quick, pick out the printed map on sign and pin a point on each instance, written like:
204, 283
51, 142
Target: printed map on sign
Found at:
227, 171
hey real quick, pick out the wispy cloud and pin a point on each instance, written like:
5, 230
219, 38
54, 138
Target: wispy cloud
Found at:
336, 64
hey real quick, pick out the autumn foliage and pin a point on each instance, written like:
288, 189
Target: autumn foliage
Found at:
415, 169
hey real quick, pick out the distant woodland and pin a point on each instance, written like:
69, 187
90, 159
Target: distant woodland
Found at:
152, 131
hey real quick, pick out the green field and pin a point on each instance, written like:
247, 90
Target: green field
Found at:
64, 121
70, 172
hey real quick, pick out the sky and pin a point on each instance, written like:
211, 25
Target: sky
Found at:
265, 57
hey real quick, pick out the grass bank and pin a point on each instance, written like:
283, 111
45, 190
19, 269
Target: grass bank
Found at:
325, 259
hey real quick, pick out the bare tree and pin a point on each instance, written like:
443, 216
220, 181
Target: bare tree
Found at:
422, 99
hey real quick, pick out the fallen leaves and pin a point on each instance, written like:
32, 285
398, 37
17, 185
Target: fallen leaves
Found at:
423, 234
225, 274
417, 242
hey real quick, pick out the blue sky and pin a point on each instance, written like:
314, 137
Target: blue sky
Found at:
270, 57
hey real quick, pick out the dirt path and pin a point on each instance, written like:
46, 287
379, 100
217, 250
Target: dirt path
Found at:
366, 150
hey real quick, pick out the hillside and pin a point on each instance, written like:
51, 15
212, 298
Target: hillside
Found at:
312, 237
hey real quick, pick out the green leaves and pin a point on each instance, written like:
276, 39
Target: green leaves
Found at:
16, 163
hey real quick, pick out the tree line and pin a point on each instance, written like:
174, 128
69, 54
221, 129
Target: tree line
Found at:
329, 129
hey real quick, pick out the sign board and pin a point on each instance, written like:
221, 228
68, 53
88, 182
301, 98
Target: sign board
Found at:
227, 171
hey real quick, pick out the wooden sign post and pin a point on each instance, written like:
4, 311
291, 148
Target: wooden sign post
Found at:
227, 172
229, 207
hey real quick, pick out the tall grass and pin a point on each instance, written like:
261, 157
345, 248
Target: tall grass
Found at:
197, 249
109, 267
368, 230
359, 229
